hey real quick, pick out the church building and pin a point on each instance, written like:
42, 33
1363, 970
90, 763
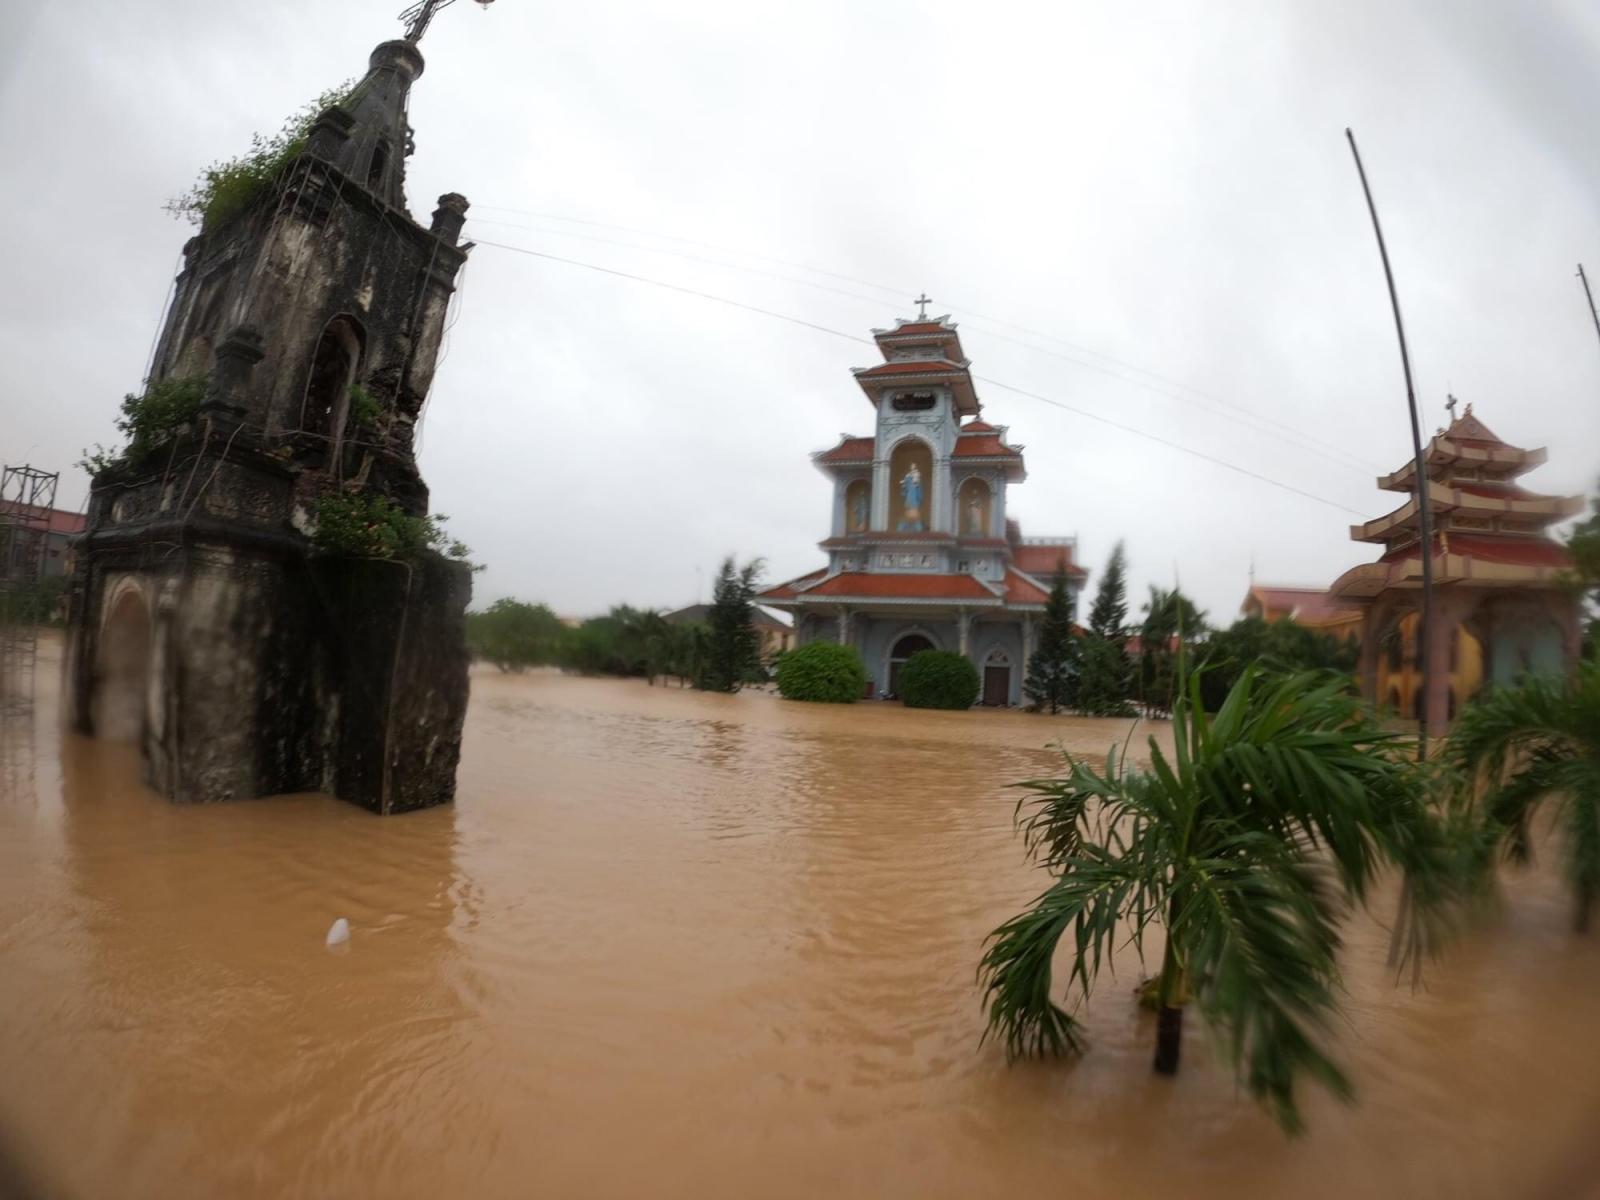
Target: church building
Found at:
921, 553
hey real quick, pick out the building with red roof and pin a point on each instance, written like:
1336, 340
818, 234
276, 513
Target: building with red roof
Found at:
921, 554
1498, 576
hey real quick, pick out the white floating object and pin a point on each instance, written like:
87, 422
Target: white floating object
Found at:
339, 932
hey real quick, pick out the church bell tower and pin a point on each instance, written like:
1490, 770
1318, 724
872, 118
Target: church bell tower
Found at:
211, 622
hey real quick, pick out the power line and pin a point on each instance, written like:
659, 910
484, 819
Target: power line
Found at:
1258, 422
767, 312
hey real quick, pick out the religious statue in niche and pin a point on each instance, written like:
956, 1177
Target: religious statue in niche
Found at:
911, 492
858, 510
974, 513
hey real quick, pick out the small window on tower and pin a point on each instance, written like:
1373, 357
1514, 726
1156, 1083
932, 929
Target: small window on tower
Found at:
380, 161
913, 401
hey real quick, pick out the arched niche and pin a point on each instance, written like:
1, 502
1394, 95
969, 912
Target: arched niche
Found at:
901, 649
326, 404
974, 508
911, 481
122, 668
858, 506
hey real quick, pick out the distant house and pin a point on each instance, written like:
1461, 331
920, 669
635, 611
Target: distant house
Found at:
776, 634
54, 526
1315, 608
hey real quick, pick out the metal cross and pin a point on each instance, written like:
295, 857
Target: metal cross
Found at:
922, 303
418, 16
1451, 405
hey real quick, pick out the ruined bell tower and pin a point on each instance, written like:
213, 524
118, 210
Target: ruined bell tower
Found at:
212, 621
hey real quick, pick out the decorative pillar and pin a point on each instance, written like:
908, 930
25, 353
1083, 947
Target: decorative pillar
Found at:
964, 628
1028, 631
844, 626
880, 494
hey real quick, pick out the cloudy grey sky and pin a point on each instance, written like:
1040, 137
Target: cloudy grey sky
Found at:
1146, 213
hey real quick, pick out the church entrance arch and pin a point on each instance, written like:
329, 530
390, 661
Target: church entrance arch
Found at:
997, 679
122, 669
904, 648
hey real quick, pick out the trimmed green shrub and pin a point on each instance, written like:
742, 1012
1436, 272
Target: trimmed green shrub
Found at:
938, 679
823, 672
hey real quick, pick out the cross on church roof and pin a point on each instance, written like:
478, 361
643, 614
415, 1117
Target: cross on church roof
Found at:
922, 303
1451, 405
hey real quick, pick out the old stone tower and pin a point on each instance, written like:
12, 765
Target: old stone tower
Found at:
208, 622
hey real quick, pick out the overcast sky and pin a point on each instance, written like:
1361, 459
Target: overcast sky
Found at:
1147, 213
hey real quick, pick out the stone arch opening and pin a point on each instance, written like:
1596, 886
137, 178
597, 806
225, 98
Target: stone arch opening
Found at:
975, 508
904, 647
911, 478
326, 405
122, 669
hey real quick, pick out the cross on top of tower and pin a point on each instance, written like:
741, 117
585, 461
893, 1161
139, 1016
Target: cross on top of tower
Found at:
922, 303
418, 16
1451, 405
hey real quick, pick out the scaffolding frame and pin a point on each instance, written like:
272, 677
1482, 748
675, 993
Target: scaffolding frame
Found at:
27, 499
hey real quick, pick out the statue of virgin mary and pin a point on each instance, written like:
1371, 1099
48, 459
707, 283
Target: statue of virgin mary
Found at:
911, 493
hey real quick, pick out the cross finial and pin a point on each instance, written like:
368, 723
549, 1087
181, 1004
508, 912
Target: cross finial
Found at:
922, 303
421, 13
1451, 405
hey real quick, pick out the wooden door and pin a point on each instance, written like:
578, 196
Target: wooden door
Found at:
997, 686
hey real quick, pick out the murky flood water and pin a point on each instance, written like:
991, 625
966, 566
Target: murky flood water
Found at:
669, 944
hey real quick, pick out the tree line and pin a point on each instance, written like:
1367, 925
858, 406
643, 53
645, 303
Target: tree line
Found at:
1118, 668
720, 654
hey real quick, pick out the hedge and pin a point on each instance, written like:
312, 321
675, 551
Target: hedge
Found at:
938, 679
822, 672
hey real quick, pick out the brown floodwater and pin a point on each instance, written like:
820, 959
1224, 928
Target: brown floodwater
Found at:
671, 944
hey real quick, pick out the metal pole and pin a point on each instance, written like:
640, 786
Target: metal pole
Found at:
1589, 294
1425, 660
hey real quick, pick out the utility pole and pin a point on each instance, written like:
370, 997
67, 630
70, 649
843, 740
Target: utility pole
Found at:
1588, 293
1425, 658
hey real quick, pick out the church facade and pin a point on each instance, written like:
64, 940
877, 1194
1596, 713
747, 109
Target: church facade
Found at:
921, 552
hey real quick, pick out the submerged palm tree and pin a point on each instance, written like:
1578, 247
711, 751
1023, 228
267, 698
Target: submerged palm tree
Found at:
1534, 742
1246, 847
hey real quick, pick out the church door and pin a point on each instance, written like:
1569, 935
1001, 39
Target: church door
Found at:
904, 649
997, 680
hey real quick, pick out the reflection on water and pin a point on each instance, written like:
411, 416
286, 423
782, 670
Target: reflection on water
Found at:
686, 945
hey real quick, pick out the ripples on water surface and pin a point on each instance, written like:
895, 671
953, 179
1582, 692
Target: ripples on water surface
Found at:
669, 944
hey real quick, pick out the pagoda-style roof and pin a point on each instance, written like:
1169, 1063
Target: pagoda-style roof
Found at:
908, 335
861, 586
851, 451
1307, 606
1041, 558
921, 352
1467, 446
1492, 504
1481, 561
979, 442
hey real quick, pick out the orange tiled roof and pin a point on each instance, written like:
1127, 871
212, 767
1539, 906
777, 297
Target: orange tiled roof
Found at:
918, 586
1304, 604
984, 446
851, 449
911, 366
1022, 591
1043, 562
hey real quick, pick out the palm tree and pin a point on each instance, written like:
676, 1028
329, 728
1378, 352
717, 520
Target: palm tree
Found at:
1246, 847
1526, 744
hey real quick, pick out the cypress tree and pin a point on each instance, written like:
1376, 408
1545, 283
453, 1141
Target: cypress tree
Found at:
1106, 680
1053, 670
733, 648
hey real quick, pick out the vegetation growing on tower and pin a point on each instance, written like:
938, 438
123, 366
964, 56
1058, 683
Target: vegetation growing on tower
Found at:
229, 186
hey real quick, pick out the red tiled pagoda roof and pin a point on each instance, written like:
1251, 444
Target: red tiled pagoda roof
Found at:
1023, 591
978, 427
851, 449
1519, 552
1304, 604
909, 586
911, 366
983, 446
788, 591
1042, 562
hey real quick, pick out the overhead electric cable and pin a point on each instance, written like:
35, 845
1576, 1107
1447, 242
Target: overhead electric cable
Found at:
767, 312
1259, 422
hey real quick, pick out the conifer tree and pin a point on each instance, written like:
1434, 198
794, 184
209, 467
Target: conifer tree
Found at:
1106, 679
1052, 677
733, 648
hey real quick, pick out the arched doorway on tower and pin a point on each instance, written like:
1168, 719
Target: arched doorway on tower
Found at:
122, 669
997, 679
903, 649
